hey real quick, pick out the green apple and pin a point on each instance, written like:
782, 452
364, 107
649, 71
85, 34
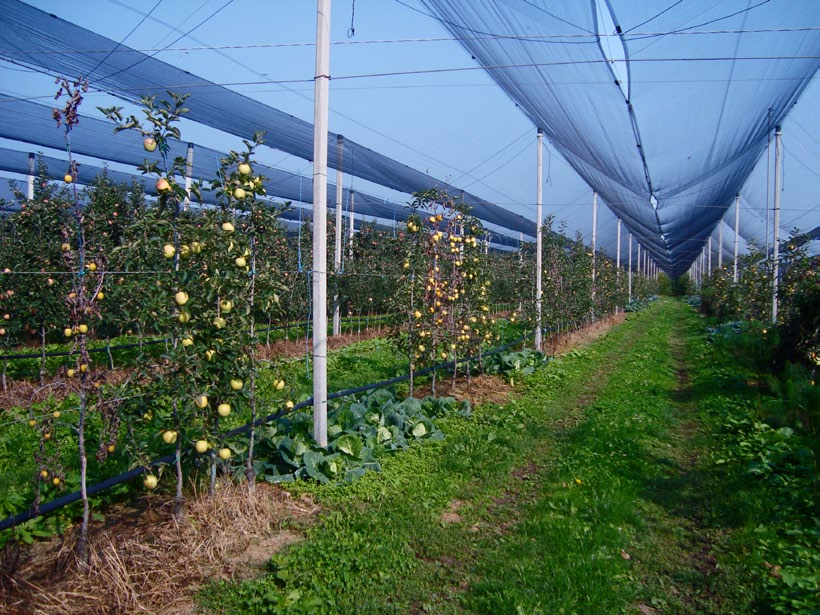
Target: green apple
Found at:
169, 437
220, 322
225, 305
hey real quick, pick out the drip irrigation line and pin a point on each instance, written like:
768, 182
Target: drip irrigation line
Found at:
67, 353
58, 503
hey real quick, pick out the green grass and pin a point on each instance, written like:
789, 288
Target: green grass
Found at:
595, 491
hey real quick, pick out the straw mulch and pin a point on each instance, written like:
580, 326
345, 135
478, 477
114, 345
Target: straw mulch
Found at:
141, 560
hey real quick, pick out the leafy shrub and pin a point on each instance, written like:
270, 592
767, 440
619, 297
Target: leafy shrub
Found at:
512, 364
359, 431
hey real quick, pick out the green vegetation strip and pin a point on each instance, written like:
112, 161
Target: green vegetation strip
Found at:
594, 491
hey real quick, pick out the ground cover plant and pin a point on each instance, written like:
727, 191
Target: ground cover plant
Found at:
604, 487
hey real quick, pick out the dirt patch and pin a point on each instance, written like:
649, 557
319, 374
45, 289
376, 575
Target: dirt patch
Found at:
477, 390
559, 344
142, 560
451, 514
282, 349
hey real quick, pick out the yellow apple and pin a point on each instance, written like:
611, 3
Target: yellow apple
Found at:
83, 328
162, 185
201, 400
150, 482
70, 373
32, 423
184, 316
201, 446
244, 169
68, 332
225, 305
187, 341
56, 481
68, 178
279, 385
219, 322
240, 261
100, 296
228, 227
149, 144
223, 409
210, 354
236, 384
44, 474
168, 250
289, 405
181, 297
65, 247
169, 437
239, 193
225, 453
417, 314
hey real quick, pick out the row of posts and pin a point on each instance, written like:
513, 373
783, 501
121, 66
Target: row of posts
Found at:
702, 266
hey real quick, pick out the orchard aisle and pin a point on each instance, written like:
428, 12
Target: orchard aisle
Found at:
587, 493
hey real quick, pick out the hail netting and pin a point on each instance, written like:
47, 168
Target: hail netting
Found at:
662, 107
32, 123
26, 33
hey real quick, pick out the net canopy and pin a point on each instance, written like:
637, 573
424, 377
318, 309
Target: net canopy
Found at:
29, 122
663, 107
32, 38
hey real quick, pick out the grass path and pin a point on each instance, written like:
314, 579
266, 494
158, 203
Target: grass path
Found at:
588, 493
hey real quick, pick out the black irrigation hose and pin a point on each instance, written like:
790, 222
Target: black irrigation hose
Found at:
48, 507
68, 353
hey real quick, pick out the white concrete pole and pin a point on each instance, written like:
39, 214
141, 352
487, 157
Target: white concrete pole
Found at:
189, 174
720, 244
629, 280
320, 122
351, 221
618, 251
737, 236
538, 237
776, 225
337, 245
30, 177
594, 235
709, 255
